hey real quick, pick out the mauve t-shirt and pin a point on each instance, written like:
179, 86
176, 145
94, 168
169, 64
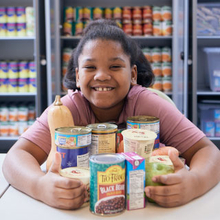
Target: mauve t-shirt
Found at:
175, 129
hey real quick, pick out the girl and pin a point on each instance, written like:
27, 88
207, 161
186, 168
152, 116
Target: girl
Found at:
106, 66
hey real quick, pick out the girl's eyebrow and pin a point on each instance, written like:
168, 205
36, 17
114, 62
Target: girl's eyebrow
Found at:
117, 58
112, 59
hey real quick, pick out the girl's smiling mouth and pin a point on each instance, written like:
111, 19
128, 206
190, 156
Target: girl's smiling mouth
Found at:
104, 89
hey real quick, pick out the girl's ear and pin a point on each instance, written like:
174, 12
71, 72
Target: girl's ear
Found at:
134, 75
77, 77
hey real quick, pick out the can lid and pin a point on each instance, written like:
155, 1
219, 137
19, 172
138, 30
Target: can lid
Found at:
139, 134
103, 127
73, 130
143, 118
107, 158
81, 173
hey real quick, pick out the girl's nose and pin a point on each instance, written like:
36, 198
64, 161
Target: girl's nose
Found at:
102, 76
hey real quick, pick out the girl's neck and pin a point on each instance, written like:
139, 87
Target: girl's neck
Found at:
107, 115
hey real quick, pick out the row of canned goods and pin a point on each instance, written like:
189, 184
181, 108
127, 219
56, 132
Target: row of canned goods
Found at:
163, 83
17, 21
118, 13
76, 144
18, 85
17, 112
17, 69
14, 128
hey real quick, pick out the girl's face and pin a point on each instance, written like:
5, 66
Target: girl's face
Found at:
104, 74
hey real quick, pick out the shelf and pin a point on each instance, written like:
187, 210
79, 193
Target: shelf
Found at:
18, 94
134, 37
208, 41
9, 138
214, 138
17, 38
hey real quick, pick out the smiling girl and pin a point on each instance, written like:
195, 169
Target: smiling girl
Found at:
107, 79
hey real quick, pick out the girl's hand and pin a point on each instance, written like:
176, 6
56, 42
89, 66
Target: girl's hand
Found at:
61, 192
178, 187
165, 150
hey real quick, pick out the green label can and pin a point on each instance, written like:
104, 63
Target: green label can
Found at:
107, 184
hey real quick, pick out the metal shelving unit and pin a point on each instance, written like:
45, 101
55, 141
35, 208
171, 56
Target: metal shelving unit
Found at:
200, 82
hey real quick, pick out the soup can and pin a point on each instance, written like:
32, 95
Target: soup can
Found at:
107, 184
73, 144
81, 173
147, 123
139, 141
104, 138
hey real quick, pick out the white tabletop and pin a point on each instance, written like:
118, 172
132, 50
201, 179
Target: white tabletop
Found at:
16, 205
3, 183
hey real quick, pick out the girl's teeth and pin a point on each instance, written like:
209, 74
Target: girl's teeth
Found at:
103, 89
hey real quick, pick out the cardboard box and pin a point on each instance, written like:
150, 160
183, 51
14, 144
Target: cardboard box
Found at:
135, 181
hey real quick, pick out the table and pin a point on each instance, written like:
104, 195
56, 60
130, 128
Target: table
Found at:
3, 183
16, 205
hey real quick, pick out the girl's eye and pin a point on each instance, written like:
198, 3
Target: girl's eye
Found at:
89, 67
115, 67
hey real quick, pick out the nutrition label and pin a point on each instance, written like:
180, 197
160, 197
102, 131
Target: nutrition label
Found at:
136, 190
83, 160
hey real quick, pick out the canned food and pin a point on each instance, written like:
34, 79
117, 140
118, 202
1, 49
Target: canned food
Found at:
31, 112
13, 113
147, 53
137, 29
4, 113
158, 83
4, 69
32, 86
78, 14
73, 144
126, 13
117, 13
104, 138
22, 113
78, 28
166, 68
166, 13
13, 85
4, 128
157, 28
167, 84
3, 16
69, 14
166, 54
87, 14
81, 173
66, 54
21, 29
23, 69
139, 141
67, 28
137, 13
157, 69
147, 27
108, 13
13, 69
11, 29
64, 69
11, 15
127, 27
20, 13
13, 128
156, 13
107, 184
156, 55
32, 69
97, 13
147, 123
23, 85
3, 29
30, 21
167, 28
147, 12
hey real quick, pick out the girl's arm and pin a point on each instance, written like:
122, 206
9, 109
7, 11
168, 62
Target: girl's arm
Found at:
22, 170
203, 159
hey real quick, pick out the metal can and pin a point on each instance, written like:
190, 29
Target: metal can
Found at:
107, 184
117, 13
156, 15
108, 13
166, 68
20, 13
11, 30
87, 14
78, 14
147, 123
11, 15
21, 29
156, 55
78, 28
13, 69
166, 54
157, 69
4, 69
140, 141
13, 113
137, 29
4, 128
167, 28
23, 69
126, 13
104, 138
147, 53
147, 27
127, 27
167, 83
3, 17
137, 13
32, 69
13, 85
166, 13
157, 28
147, 12
97, 13
22, 112
3, 29
68, 14
73, 144
4, 113
67, 28
158, 83
13, 128
23, 85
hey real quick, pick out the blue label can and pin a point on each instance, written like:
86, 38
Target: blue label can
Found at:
73, 144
